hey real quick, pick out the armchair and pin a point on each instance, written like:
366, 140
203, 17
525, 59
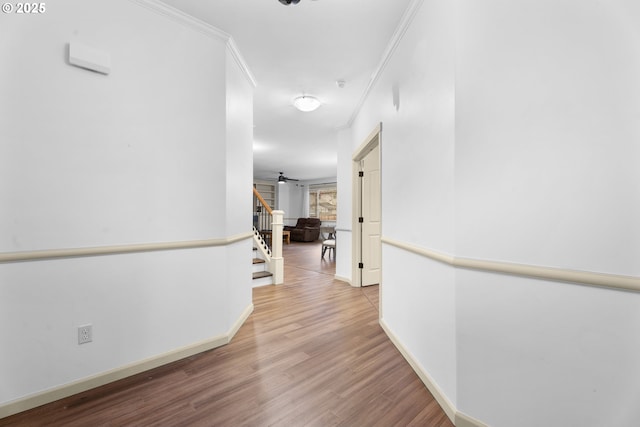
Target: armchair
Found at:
305, 230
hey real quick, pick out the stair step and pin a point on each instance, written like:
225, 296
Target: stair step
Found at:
261, 274
262, 278
257, 267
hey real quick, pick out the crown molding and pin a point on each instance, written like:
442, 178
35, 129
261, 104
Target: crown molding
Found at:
237, 56
183, 18
405, 22
200, 26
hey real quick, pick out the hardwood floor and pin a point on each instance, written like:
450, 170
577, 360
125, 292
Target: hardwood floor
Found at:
311, 354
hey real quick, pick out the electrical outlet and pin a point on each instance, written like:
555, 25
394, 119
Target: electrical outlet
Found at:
85, 334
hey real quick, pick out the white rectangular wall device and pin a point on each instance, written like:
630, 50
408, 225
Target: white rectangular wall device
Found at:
84, 56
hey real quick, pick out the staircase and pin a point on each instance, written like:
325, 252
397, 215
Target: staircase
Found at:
268, 265
261, 275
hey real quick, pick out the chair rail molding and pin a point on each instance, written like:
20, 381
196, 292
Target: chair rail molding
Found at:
612, 281
8, 257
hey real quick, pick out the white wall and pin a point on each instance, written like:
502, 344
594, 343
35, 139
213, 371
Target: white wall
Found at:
138, 156
547, 101
79, 140
283, 196
510, 134
533, 353
289, 197
298, 200
344, 225
239, 183
414, 99
547, 156
140, 305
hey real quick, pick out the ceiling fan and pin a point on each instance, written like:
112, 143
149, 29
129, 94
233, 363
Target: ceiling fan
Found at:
282, 179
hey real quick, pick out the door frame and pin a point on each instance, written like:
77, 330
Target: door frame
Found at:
372, 142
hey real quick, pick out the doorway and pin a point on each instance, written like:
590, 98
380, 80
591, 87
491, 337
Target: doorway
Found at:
367, 211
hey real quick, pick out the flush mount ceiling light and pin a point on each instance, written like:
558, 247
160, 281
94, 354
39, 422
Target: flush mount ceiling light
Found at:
306, 103
288, 2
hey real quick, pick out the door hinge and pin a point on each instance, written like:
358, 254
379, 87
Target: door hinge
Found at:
360, 265
361, 174
360, 220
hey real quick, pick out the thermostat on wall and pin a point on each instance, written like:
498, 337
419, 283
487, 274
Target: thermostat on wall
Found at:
87, 57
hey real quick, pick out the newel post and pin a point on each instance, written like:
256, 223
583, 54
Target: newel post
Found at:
277, 262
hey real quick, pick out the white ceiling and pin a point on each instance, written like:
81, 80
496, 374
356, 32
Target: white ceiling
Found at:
303, 49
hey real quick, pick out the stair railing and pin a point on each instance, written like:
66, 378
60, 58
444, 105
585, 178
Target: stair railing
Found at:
268, 222
262, 244
262, 212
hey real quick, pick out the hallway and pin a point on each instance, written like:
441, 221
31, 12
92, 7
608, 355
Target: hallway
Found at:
311, 354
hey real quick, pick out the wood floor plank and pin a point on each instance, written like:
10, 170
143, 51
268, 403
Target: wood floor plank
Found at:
311, 354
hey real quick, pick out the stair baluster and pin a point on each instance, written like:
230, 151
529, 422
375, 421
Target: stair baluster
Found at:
266, 219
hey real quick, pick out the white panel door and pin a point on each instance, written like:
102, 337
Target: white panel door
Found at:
371, 213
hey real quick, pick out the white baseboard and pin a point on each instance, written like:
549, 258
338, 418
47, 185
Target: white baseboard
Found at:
457, 418
463, 420
66, 390
239, 322
443, 400
342, 279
